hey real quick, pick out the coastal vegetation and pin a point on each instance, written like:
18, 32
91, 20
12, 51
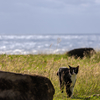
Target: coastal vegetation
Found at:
88, 79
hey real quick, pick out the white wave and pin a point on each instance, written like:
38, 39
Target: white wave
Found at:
27, 37
3, 47
34, 37
15, 37
50, 44
47, 45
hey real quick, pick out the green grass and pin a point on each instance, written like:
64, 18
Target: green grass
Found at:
88, 79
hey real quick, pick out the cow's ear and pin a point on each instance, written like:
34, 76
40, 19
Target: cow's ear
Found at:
78, 67
69, 66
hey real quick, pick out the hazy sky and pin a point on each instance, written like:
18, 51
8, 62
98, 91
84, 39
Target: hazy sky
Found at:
49, 16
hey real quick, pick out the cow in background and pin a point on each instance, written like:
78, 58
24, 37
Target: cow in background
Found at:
81, 52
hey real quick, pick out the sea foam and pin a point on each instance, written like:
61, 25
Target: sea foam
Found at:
47, 44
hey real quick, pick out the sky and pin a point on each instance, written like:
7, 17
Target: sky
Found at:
49, 16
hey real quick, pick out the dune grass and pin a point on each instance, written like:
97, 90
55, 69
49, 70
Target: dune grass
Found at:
87, 86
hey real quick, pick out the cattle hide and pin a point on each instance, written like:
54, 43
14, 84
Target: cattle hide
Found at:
15, 86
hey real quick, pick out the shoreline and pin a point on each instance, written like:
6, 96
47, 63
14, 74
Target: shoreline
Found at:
42, 53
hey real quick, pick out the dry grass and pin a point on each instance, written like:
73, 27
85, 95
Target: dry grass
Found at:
88, 79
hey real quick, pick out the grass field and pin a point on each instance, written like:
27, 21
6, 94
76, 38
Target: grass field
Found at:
87, 86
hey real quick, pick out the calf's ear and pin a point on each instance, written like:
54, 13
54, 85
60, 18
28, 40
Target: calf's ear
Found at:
78, 67
57, 73
69, 66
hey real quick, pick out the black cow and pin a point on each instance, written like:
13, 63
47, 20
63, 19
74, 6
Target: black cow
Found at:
81, 52
15, 86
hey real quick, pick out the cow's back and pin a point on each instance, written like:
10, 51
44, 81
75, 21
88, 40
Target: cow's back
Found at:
25, 87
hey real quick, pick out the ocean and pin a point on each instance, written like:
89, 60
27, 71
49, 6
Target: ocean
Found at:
47, 44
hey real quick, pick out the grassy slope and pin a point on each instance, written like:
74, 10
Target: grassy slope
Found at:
88, 79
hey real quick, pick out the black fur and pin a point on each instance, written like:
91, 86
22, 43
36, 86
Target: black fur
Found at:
15, 86
73, 68
81, 52
65, 75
